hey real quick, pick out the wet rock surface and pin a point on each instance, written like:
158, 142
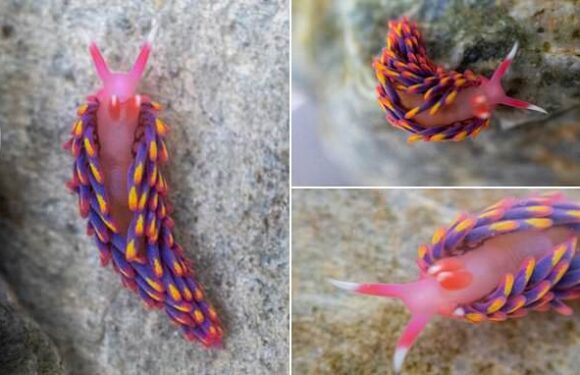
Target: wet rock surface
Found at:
220, 70
335, 42
373, 236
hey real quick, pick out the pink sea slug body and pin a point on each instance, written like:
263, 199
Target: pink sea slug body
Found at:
430, 102
516, 256
118, 143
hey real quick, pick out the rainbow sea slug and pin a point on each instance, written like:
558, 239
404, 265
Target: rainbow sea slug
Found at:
118, 145
431, 103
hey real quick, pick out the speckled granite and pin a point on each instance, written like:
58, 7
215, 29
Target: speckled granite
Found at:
220, 68
335, 42
364, 235
24, 347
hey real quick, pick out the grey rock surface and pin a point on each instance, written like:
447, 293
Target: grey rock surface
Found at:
373, 236
25, 348
220, 69
335, 42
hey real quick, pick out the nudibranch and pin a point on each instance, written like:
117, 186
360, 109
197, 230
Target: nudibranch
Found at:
516, 256
118, 145
430, 102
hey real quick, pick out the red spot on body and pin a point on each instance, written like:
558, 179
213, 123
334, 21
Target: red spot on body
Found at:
114, 107
454, 280
451, 274
481, 107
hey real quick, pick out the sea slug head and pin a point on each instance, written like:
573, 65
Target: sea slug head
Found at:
490, 93
484, 100
434, 293
119, 89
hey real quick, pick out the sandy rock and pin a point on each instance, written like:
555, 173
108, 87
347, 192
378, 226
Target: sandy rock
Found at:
25, 348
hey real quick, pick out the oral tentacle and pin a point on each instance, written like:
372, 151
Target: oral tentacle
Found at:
419, 319
141, 62
505, 64
100, 64
408, 338
516, 103
371, 289
497, 91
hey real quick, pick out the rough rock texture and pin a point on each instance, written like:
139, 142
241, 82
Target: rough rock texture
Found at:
25, 348
373, 236
335, 42
220, 68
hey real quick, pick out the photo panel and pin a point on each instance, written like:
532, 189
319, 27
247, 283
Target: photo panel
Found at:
452, 93
445, 281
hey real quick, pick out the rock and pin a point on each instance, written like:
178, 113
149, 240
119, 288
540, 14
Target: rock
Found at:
220, 69
24, 346
336, 42
373, 236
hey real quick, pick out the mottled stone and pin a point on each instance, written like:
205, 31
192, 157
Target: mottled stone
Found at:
220, 69
24, 347
335, 43
373, 236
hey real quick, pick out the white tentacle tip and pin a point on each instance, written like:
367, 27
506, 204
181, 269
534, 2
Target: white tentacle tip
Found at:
399, 358
153, 32
459, 311
345, 285
513, 52
434, 269
534, 107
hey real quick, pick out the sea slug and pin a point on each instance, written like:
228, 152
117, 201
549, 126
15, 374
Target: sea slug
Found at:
430, 102
118, 144
516, 256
